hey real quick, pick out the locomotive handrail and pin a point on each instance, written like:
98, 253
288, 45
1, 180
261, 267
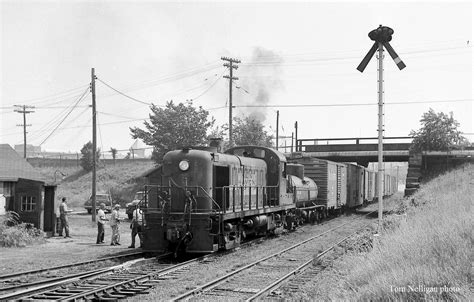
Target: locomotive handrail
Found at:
198, 190
205, 193
242, 189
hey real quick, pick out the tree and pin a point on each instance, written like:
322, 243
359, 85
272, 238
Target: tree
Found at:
114, 153
86, 158
250, 131
173, 127
439, 132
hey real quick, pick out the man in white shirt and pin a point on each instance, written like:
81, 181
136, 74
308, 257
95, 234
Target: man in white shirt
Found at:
101, 220
114, 224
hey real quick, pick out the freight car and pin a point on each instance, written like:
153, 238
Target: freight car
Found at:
331, 178
200, 200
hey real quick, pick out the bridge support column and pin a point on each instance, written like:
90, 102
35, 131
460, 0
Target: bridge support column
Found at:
414, 173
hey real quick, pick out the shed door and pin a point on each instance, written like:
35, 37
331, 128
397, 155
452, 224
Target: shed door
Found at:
49, 216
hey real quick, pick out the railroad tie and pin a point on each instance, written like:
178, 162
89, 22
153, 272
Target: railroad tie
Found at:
132, 291
109, 297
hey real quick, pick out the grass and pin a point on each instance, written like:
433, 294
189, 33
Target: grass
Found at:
425, 254
121, 180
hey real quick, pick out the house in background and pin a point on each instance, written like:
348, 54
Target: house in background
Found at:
24, 190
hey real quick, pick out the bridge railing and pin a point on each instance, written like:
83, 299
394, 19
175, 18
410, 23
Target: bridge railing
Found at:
302, 144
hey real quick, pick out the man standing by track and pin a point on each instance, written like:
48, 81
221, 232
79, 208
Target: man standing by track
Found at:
101, 220
136, 226
114, 224
63, 211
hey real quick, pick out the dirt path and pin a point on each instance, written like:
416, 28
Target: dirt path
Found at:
59, 250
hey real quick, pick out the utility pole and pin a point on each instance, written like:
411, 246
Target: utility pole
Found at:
296, 136
23, 109
278, 118
94, 146
292, 134
231, 67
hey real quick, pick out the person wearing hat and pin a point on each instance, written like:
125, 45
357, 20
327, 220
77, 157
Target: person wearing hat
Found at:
114, 224
101, 220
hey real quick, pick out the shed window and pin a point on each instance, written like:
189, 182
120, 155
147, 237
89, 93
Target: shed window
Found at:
28, 203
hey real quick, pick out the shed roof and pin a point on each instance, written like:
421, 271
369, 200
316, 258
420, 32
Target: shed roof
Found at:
13, 166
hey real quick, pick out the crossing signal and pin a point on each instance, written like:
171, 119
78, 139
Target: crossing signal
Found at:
382, 36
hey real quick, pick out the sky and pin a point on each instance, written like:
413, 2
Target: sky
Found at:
296, 57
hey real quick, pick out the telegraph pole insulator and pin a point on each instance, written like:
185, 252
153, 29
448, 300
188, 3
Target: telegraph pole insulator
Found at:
381, 37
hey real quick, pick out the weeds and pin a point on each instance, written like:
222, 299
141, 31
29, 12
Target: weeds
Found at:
425, 256
20, 235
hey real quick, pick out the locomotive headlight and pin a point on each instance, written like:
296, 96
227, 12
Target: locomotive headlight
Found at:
184, 165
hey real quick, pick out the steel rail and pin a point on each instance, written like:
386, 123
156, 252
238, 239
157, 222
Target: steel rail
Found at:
48, 284
47, 281
22, 293
154, 275
302, 267
214, 283
9, 276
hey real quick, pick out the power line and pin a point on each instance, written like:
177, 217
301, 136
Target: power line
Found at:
79, 100
172, 77
309, 60
54, 96
125, 95
352, 104
209, 88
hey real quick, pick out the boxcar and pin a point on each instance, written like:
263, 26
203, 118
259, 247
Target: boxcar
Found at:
371, 185
331, 178
366, 185
355, 185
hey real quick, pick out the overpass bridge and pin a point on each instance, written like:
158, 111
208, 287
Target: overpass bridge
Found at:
361, 150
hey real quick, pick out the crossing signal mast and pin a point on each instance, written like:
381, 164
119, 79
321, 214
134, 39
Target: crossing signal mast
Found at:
381, 37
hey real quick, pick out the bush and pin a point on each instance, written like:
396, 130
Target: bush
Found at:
20, 235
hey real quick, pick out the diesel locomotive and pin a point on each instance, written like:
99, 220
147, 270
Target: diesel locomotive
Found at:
201, 200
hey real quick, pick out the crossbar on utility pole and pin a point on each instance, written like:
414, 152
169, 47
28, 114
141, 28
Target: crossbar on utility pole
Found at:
231, 67
23, 109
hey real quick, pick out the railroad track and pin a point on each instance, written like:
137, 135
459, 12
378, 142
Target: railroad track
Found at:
262, 277
116, 282
16, 281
